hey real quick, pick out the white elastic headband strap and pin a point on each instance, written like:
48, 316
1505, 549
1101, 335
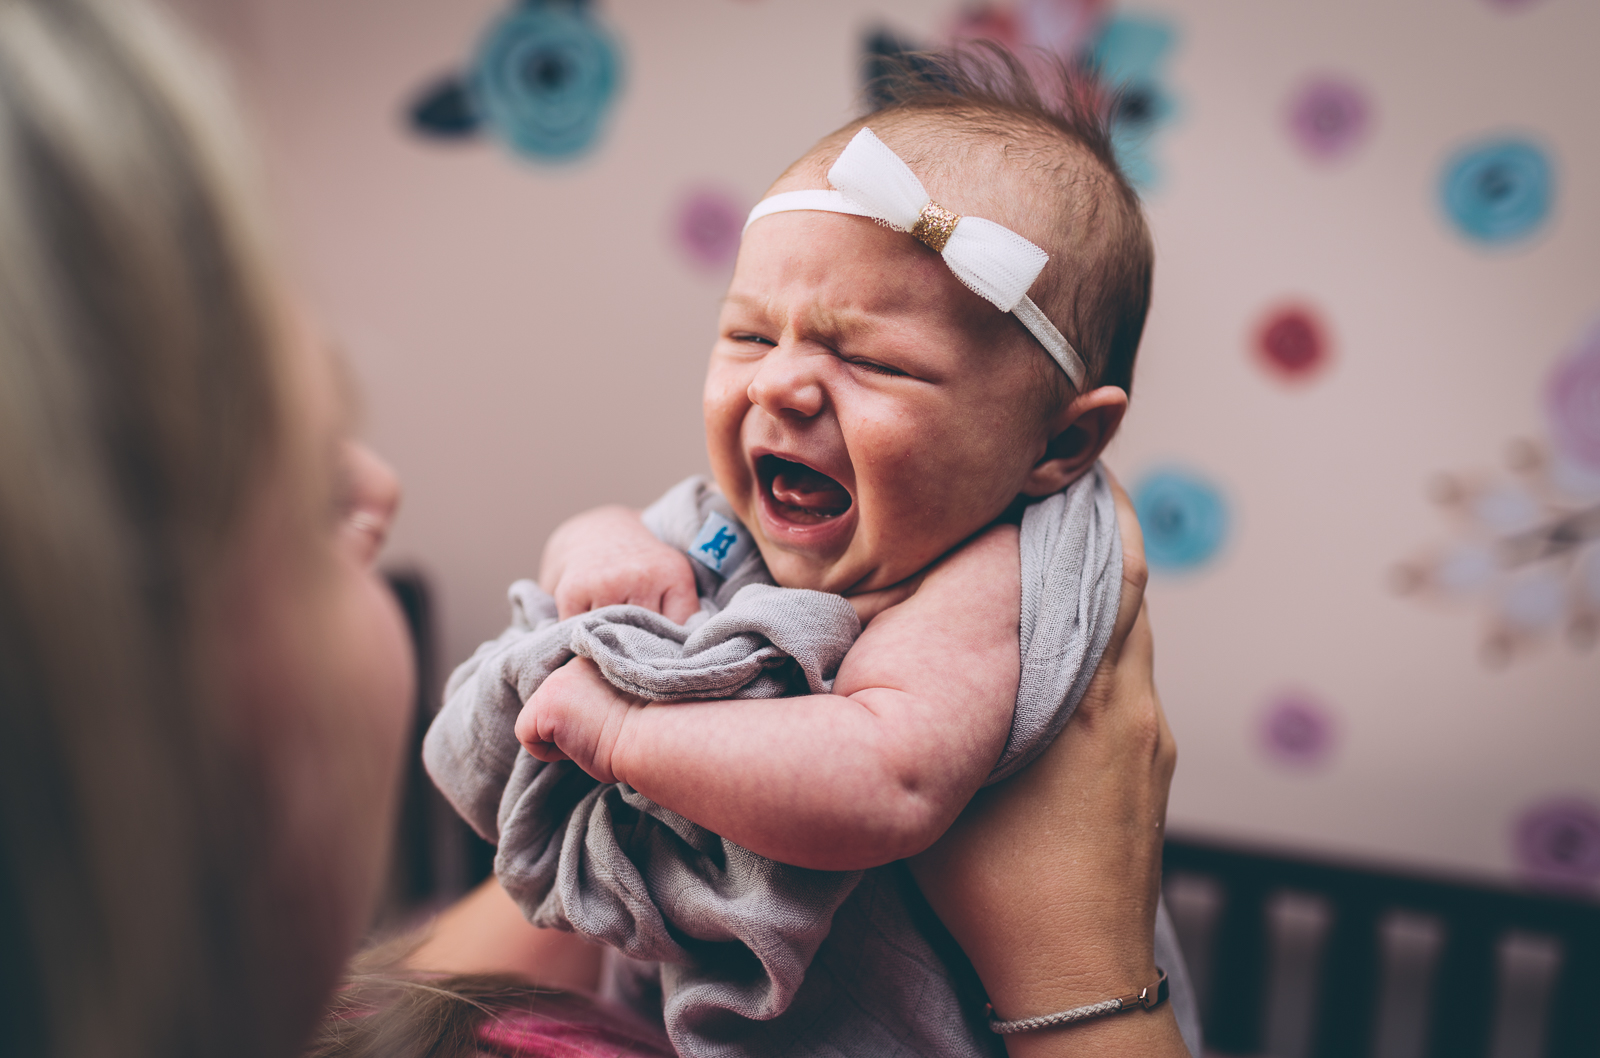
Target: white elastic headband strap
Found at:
822, 201
995, 262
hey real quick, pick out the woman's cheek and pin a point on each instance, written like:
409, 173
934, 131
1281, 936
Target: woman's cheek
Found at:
379, 686
366, 699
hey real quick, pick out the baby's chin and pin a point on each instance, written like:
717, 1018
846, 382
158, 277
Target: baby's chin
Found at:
796, 571
855, 572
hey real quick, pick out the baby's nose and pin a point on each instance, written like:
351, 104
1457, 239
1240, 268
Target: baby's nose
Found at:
786, 385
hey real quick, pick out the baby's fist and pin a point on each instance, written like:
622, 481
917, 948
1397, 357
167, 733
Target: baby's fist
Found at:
606, 557
576, 715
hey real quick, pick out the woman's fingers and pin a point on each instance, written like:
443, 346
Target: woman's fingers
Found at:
1132, 533
1134, 571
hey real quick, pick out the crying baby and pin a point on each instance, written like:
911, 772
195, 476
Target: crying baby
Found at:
893, 591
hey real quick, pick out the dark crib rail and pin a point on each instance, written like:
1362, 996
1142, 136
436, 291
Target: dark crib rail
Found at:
1349, 962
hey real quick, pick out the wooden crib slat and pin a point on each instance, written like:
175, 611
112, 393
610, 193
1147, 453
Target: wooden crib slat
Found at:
1464, 986
1473, 916
1233, 1024
1575, 1007
1348, 1004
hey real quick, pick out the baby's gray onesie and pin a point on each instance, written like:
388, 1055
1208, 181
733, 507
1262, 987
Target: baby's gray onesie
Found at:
754, 957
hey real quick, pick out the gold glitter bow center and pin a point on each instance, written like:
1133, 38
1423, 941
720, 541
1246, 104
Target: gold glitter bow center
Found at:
935, 226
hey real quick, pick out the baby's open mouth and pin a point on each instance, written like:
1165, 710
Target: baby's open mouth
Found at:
800, 494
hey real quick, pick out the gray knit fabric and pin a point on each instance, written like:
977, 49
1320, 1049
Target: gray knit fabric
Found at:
740, 955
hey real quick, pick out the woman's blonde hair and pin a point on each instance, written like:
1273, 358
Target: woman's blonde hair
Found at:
140, 399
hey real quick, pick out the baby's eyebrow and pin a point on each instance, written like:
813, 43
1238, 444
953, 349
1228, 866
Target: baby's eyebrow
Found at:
814, 319
747, 301
834, 323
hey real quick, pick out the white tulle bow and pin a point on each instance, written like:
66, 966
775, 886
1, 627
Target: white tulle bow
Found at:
998, 265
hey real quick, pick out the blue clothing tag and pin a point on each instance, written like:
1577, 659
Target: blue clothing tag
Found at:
721, 544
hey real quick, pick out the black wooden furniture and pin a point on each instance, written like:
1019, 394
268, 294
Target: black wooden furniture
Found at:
1500, 971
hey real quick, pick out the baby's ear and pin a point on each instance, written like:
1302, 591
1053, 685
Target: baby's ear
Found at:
1079, 432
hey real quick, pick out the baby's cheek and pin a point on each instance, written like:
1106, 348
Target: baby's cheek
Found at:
941, 492
725, 395
724, 418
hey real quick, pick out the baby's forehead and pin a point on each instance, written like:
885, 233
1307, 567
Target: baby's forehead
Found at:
846, 283
852, 274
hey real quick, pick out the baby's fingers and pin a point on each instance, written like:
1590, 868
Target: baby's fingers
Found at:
548, 752
573, 598
680, 602
531, 732
662, 582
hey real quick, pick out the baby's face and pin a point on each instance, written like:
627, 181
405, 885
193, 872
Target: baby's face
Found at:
865, 412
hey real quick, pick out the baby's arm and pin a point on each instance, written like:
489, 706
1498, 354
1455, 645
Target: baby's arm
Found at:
871, 773
606, 556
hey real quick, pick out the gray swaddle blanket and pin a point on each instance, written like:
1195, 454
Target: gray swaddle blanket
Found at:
756, 957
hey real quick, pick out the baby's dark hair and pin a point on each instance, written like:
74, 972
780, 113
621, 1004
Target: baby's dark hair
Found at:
1055, 133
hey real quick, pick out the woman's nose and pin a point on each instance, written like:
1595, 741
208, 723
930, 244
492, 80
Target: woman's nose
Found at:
786, 384
374, 498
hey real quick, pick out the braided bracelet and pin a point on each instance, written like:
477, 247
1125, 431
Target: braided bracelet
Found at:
1146, 998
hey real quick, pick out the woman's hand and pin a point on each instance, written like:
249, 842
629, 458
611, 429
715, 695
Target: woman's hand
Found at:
1049, 881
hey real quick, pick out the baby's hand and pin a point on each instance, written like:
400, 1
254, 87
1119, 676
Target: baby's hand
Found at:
576, 715
607, 556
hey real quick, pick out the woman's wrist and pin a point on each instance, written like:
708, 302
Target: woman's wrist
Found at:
1072, 958
1019, 996
1146, 1033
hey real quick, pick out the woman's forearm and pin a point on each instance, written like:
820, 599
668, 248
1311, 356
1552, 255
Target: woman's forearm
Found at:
1044, 934
485, 933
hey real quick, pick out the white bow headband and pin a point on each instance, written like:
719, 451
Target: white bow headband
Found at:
998, 265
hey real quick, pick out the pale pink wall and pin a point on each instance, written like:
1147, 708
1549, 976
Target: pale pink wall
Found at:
530, 344
528, 341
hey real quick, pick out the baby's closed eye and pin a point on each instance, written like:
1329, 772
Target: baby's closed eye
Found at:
875, 366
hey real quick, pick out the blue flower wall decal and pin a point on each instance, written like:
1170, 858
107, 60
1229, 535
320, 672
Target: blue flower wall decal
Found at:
1131, 53
1184, 519
1498, 191
542, 82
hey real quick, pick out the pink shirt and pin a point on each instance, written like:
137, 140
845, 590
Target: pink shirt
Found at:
571, 1027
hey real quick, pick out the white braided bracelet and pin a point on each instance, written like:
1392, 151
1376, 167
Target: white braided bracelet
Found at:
1146, 998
